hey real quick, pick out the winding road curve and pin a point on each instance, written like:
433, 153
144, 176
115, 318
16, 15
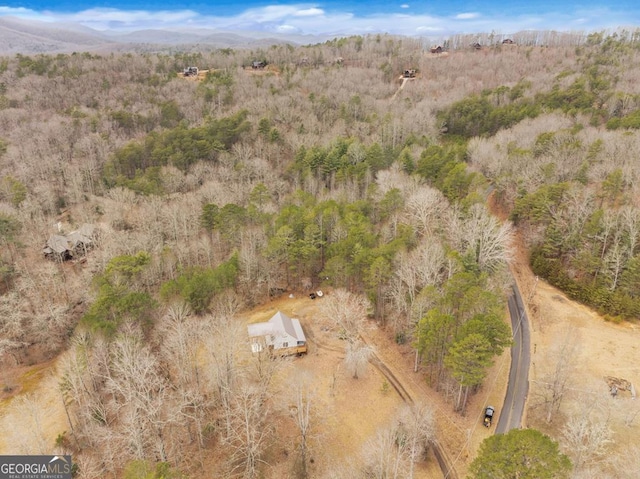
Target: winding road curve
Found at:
518, 387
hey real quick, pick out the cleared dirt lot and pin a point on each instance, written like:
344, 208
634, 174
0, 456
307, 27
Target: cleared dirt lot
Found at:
349, 411
600, 349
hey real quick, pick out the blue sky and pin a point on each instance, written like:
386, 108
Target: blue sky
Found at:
443, 17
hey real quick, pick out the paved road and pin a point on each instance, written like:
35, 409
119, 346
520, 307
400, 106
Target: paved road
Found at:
518, 388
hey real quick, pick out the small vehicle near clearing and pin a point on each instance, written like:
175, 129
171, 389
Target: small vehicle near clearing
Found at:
190, 72
488, 416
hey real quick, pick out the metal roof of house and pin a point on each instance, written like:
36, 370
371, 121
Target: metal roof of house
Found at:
259, 329
282, 322
57, 244
67, 243
298, 329
78, 237
279, 323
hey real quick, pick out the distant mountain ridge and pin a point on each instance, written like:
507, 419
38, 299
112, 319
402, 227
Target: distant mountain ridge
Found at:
20, 36
31, 36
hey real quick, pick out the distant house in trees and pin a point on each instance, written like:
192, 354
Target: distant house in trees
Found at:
258, 65
190, 71
476, 46
437, 49
73, 245
409, 74
281, 335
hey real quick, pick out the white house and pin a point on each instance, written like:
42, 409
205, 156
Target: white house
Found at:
281, 333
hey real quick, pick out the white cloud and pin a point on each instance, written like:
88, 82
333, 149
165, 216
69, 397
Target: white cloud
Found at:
423, 29
267, 14
24, 13
310, 19
131, 17
14, 11
467, 16
309, 12
287, 29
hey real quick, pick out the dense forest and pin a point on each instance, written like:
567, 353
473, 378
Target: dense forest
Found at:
324, 169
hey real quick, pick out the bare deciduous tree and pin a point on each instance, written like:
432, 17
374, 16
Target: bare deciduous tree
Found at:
488, 239
249, 431
416, 430
138, 395
357, 357
555, 385
425, 208
587, 437
419, 268
303, 416
347, 310
221, 343
384, 456
263, 367
12, 319
83, 370
25, 433
180, 338
395, 449
626, 463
